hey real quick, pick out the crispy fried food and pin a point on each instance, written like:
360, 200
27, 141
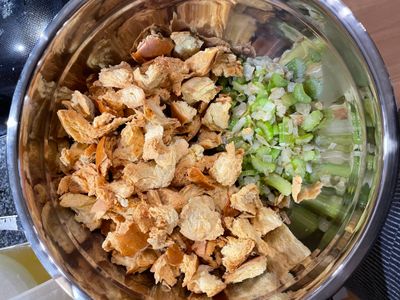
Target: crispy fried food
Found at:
209, 139
247, 199
285, 250
199, 89
228, 166
201, 63
144, 166
82, 205
189, 265
199, 221
204, 282
164, 272
119, 76
152, 46
217, 115
139, 262
250, 269
83, 132
185, 44
235, 252
183, 111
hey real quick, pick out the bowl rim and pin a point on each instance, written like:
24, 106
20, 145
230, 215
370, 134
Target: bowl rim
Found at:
341, 13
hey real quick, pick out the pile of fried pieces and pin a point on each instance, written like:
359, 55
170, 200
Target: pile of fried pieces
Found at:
149, 169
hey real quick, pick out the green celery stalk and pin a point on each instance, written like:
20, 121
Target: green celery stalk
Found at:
304, 139
277, 80
313, 88
262, 166
330, 206
303, 222
309, 155
312, 120
279, 183
288, 99
284, 136
297, 66
267, 130
333, 170
300, 95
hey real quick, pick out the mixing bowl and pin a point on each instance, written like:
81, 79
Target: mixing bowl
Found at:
88, 35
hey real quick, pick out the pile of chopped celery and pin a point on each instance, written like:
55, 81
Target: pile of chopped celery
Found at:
275, 115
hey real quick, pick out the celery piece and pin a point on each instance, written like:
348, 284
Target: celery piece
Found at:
313, 88
267, 131
284, 136
328, 236
240, 80
299, 167
276, 129
333, 170
303, 222
248, 173
232, 123
330, 206
297, 66
300, 95
279, 183
314, 55
261, 100
288, 99
309, 155
274, 153
277, 80
312, 120
262, 166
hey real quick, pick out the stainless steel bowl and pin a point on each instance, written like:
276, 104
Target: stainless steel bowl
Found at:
87, 35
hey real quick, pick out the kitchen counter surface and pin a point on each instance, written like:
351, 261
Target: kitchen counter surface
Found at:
382, 21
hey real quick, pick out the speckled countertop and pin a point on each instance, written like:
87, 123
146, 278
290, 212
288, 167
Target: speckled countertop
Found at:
7, 208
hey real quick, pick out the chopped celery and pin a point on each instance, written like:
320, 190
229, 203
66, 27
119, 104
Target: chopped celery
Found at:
309, 155
333, 170
304, 139
330, 206
279, 183
240, 80
275, 153
303, 222
262, 166
299, 166
312, 120
297, 66
267, 131
296, 167
288, 99
261, 101
248, 173
285, 137
328, 236
277, 80
300, 95
313, 88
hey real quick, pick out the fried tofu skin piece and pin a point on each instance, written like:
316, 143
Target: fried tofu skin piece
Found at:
199, 89
247, 199
228, 166
186, 44
199, 221
204, 282
235, 252
250, 269
285, 250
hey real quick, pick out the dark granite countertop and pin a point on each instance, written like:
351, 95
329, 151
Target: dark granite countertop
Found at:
7, 208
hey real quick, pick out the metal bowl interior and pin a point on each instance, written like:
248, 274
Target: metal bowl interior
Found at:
88, 35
